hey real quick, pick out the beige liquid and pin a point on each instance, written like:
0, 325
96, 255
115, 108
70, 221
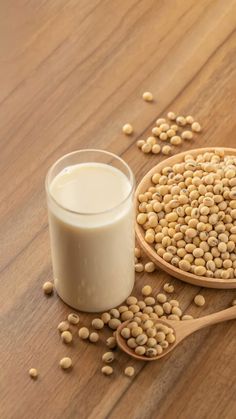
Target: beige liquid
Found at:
93, 254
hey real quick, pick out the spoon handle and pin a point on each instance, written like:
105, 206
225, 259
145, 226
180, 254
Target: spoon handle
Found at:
220, 316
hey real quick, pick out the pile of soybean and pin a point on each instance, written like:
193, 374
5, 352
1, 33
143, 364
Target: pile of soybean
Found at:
142, 316
189, 214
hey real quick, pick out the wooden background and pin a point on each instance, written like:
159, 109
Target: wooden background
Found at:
72, 72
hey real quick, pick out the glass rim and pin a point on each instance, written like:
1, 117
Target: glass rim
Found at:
86, 150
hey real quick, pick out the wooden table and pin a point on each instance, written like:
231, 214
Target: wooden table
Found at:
72, 73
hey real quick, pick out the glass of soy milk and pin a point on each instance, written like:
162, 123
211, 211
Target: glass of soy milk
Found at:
91, 223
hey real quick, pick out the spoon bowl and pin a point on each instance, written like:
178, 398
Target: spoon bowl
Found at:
123, 345
182, 329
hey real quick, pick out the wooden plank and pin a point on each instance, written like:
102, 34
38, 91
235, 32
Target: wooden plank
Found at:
73, 73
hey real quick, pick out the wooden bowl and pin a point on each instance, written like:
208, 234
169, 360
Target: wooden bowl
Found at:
150, 251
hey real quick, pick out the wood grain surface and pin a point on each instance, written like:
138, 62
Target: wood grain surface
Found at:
72, 73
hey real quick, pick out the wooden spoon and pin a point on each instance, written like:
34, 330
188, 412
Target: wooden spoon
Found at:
182, 329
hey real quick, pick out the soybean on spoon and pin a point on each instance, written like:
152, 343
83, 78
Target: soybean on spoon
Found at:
182, 329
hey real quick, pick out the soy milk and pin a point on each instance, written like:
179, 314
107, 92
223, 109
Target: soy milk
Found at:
92, 235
